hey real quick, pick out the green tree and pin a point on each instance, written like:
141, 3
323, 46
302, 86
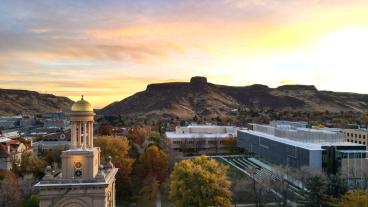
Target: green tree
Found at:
336, 186
200, 182
155, 137
316, 193
31, 201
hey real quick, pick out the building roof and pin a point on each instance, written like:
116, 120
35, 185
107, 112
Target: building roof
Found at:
82, 106
304, 145
174, 135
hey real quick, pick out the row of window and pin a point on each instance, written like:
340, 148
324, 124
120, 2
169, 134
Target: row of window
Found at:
354, 141
356, 135
201, 142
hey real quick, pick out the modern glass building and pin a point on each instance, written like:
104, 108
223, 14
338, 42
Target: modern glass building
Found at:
296, 146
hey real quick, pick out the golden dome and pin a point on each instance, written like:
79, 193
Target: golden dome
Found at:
82, 105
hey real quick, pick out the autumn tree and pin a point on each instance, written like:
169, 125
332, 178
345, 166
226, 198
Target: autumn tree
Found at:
200, 182
30, 164
105, 130
118, 149
149, 191
230, 145
354, 199
10, 193
154, 163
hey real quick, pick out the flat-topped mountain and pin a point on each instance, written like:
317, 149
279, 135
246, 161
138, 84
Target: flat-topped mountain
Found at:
198, 97
15, 102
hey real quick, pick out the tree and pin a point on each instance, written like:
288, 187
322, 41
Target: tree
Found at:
230, 145
118, 149
154, 163
354, 199
149, 191
315, 195
105, 130
155, 137
200, 182
10, 193
30, 163
336, 186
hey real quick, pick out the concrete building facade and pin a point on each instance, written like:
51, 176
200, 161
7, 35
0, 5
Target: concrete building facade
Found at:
201, 138
359, 136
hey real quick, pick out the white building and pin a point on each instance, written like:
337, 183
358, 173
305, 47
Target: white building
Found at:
201, 138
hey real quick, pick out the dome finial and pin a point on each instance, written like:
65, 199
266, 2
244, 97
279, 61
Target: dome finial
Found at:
82, 97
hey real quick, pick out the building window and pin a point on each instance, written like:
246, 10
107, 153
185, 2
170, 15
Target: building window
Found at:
348, 134
201, 142
363, 136
356, 136
360, 136
348, 140
364, 143
360, 142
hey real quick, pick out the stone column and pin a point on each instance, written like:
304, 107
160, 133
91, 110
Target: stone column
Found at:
79, 138
88, 135
84, 135
73, 136
91, 129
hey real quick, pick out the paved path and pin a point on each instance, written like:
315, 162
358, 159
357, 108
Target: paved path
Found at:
158, 200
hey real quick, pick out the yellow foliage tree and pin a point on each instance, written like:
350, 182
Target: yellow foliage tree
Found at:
354, 199
118, 149
200, 182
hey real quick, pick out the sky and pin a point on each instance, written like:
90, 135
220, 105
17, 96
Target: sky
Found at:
108, 50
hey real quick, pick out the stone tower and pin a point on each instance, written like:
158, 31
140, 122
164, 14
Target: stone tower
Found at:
83, 182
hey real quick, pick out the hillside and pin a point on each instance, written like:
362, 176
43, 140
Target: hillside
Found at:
185, 100
14, 102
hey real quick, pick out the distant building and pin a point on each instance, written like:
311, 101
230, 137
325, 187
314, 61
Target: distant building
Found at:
10, 152
55, 120
8, 122
53, 141
200, 138
294, 145
359, 136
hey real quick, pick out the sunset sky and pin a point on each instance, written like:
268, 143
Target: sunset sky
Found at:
108, 50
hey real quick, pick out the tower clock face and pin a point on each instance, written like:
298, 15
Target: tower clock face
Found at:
78, 169
78, 173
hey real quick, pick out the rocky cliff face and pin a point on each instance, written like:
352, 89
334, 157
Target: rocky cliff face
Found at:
14, 102
198, 97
